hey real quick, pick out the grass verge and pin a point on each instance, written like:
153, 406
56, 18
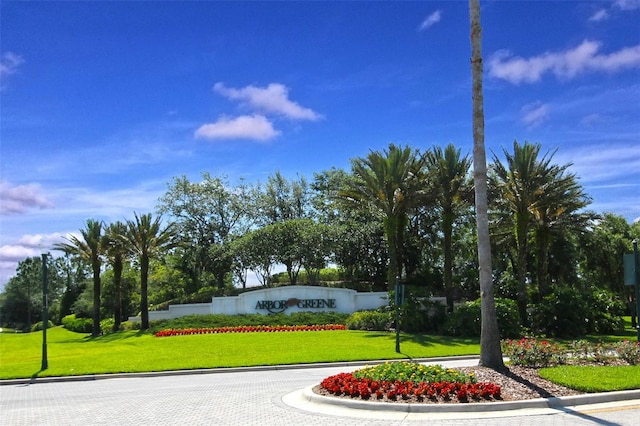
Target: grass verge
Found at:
594, 378
72, 354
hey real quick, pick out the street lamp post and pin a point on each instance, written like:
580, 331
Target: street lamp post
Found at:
636, 261
45, 313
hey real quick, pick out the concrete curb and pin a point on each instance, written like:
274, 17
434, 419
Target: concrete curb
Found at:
309, 396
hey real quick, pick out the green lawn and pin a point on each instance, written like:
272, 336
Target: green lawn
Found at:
130, 351
594, 378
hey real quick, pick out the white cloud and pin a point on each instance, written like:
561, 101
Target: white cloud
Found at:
599, 16
273, 99
430, 20
16, 199
602, 164
565, 64
627, 4
255, 127
534, 114
9, 63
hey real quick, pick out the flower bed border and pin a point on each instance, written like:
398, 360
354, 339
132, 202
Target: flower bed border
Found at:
345, 384
249, 329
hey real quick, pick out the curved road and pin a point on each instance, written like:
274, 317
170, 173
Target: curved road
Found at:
249, 397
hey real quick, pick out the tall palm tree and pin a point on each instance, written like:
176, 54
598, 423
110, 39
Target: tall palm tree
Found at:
526, 186
90, 249
490, 351
116, 252
450, 175
146, 239
391, 182
555, 214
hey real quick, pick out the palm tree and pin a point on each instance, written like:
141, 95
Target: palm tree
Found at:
146, 239
450, 175
116, 252
555, 214
527, 189
89, 248
490, 351
391, 182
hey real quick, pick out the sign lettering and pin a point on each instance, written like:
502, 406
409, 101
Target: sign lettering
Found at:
277, 306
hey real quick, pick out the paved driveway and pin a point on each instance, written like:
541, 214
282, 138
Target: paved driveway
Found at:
252, 397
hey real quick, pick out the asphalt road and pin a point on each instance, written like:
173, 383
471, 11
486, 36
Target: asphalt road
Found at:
251, 397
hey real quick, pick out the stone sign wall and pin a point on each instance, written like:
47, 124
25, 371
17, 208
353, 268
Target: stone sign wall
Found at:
285, 299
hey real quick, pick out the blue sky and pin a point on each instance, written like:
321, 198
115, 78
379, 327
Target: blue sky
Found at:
102, 103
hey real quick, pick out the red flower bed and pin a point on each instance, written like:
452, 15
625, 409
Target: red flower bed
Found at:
346, 384
249, 329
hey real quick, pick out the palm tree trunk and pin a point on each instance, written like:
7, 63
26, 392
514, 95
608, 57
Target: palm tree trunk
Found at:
144, 292
521, 271
392, 241
447, 229
117, 281
490, 351
96, 300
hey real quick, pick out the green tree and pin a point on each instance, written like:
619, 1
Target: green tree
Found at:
116, 252
490, 351
146, 239
21, 299
535, 200
208, 215
393, 183
359, 246
559, 213
281, 200
255, 251
449, 172
89, 248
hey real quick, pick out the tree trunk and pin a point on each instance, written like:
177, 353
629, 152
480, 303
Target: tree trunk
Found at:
490, 351
96, 300
117, 283
521, 271
447, 229
144, 292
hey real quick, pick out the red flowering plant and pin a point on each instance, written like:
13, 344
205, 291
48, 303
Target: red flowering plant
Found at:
248, 329
533, 353
409, 380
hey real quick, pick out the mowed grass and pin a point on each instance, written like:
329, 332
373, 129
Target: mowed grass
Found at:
594, 378
72, 354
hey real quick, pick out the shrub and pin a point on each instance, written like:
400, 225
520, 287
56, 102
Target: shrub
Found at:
220, 320
597, 352
369, 320
106, 326
569, 312
466, 319
413, 372
38, 326
419, 314
629, 351
533, 353
79, 325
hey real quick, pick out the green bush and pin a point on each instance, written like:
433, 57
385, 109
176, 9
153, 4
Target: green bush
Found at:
369, 320
220, 320
106, 325
38, 326
421, 315
78, 325
533, 353
466, 319
570, 313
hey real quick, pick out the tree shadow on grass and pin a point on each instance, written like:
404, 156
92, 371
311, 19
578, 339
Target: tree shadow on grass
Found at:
425, 340
115, 337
